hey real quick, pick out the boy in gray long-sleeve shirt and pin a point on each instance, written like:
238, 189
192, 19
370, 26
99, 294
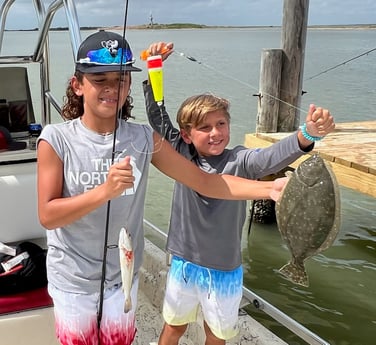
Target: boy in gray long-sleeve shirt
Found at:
205, 234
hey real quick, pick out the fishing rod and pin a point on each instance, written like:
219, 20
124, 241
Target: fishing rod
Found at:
105, 242
341, 64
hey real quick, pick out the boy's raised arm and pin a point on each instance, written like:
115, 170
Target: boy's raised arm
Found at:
158, 117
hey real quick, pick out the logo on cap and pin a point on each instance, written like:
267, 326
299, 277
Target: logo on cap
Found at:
111, 46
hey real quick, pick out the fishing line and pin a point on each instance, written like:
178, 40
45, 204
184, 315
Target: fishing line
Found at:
192, 59
158, 143
341, 64
118, 118
146, 53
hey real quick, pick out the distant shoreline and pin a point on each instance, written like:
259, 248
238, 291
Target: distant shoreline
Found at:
199, 26
194, 26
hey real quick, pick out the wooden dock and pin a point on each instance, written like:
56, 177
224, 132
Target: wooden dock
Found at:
351, 150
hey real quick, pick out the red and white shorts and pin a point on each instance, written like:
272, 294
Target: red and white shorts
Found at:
76, 317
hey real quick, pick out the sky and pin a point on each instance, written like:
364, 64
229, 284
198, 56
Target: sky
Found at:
208, 12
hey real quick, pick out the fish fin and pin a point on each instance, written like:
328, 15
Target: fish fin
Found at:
296, 273
127, 305
288, 173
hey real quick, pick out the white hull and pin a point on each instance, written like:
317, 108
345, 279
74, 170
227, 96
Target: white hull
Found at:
36, 327
18, 211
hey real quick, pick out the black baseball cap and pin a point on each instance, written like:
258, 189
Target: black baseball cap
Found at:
105, 51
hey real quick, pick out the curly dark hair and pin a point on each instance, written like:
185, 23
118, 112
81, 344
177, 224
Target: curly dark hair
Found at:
73, 106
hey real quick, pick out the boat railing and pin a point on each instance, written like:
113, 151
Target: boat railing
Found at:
259, 303
41, 52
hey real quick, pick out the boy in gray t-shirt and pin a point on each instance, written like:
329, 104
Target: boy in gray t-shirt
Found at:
204, 235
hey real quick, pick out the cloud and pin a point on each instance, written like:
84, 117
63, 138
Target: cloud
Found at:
213, 12
342, 12
207, 12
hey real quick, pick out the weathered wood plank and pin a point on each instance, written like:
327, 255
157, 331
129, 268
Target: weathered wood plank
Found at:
293, 42
351, 149
270, 82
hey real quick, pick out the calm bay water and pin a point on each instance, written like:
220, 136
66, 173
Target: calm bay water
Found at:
340, 304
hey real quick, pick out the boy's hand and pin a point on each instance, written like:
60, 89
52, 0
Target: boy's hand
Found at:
278, 186
161, 48
319, 121
120, 177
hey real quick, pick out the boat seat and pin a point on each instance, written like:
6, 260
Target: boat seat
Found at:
28, 300
16, 107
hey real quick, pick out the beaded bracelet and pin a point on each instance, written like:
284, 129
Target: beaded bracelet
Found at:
307, 136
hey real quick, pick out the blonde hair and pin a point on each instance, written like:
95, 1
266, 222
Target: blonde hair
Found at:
194, 109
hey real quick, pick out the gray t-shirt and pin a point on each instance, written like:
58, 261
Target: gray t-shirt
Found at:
208, 231
75, 251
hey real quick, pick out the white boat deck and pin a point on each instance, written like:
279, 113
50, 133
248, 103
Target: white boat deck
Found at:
36, 327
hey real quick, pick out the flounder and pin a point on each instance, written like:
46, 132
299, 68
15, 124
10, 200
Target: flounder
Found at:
308, 214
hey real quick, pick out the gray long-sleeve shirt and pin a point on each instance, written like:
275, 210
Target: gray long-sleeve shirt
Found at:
204, 230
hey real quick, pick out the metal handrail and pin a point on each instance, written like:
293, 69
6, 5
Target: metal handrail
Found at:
3, 16
73, 25
261, 304
285, 320
41, 52
45, 19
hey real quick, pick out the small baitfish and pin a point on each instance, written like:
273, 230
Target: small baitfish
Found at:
308, 214
126, 265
